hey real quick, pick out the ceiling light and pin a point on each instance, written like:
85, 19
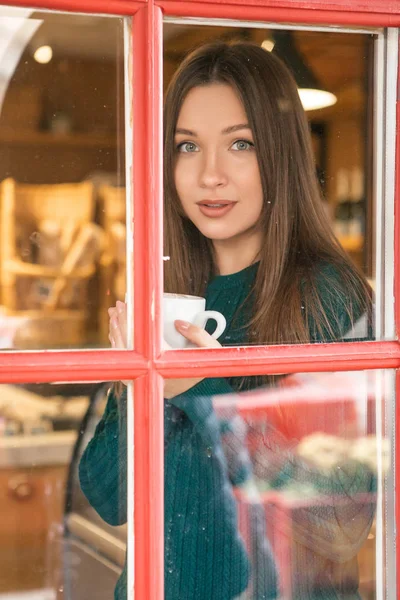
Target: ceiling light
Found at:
314, 99
312, 94
43, 54
268, 45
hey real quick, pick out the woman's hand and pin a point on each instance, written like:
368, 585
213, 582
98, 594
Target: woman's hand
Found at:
199, 337
196, 335
117, 325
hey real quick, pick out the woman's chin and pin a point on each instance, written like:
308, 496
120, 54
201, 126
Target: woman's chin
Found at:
218, 238
217, 234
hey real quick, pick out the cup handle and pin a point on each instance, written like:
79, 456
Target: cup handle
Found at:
202, 318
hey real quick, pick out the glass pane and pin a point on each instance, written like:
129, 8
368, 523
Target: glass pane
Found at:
53, 544
274, 222
62, 178
280, 487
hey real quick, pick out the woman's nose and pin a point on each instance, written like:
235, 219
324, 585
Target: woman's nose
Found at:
213, 172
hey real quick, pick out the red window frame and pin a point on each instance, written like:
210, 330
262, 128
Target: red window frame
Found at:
147, 365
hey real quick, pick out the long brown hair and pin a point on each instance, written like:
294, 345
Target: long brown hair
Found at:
296, 234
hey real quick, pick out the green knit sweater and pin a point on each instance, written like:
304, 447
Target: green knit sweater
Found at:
205, 558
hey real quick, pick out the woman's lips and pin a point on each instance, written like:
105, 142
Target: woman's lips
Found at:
215, 209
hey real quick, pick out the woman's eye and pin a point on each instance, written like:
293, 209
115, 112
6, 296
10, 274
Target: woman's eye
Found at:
242, 145
186, 147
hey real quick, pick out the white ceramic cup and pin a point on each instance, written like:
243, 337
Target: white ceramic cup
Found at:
191, 309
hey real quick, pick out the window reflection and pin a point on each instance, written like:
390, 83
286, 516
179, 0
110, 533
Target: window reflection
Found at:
292, 475
62, 174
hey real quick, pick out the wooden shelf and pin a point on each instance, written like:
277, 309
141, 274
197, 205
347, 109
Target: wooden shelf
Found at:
22, 137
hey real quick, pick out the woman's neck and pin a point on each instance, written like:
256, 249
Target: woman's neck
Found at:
232, 257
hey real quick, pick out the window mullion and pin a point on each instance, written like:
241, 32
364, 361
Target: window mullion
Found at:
77, 365
258, 360
146, 449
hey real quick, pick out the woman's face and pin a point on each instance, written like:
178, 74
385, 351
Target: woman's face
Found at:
216, 173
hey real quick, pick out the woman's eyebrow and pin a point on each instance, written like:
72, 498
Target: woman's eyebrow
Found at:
185, 132
234, 128
226, 131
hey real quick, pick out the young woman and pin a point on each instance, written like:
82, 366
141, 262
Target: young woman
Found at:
244, 227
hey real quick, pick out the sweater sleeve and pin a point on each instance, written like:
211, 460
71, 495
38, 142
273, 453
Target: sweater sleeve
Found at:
197, 404
103, 466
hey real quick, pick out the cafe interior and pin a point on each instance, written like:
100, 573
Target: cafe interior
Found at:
65, 246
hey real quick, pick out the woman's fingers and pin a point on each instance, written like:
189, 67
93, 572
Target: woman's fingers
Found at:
121, 312
116, 333
117, 325
196, 335
111, 313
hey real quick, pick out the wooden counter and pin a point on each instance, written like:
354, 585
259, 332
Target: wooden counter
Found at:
33, 472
